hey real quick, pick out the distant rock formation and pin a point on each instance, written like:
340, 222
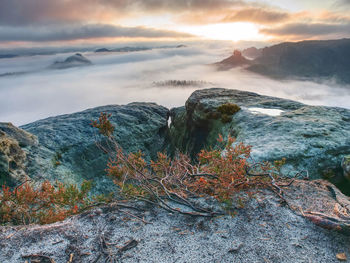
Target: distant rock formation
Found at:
306, 59
317, 59
102, 50
123, 49
77, 60
8, 56
134, 49
236, 60
252, 52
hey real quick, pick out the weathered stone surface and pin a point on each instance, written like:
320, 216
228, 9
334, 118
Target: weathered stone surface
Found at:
67, 150
262, 231
345, 164
312, 138
24, 138
13, 157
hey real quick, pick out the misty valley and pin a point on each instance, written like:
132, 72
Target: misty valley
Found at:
37, 86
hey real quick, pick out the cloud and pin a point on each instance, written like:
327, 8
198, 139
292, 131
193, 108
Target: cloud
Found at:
308, 30
343, 2
23, 12
260, 15
74, 32
257, 15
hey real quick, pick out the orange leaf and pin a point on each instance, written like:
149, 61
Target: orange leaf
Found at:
341, 257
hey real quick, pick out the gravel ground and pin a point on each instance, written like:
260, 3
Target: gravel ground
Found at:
264, 230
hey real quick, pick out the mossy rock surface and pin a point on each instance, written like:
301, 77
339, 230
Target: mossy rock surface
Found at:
312, 138
228, 108
67, 148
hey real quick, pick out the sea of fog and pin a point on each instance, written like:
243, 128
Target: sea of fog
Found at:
121, 78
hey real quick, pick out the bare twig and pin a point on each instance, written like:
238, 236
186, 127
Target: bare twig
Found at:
39, 256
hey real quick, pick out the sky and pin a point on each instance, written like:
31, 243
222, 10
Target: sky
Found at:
66, 22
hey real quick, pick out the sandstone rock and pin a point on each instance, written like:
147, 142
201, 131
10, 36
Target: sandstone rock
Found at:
312, 138
24, 138
67, 150
13, 156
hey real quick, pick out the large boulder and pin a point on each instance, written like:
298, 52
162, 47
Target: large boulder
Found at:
311, 138
67, 148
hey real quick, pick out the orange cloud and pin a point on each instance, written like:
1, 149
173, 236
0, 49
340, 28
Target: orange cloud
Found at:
258, 15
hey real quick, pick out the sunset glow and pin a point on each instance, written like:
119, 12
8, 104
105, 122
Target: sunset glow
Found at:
88, 21
230, 31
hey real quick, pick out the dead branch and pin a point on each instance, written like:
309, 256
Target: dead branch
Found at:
39, 256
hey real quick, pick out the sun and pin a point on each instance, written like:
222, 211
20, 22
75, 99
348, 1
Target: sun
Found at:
226, 31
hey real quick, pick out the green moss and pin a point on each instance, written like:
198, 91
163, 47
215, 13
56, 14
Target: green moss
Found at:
347, 160
56, 159
328, 174
226, 118
228, 108
214, 115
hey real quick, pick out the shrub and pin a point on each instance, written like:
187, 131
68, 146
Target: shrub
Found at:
220, 173
56, 159
45, 204
228, 108
104, 125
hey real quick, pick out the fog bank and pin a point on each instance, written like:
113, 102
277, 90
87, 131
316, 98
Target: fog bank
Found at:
120, 78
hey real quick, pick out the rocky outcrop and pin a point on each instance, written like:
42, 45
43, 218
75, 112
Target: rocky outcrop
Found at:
252, 52
236, 60
263, 230
123, 49
14, 143
316, 59
100, 50
307, 220
311, 138
306, 59
67, 150
77, 60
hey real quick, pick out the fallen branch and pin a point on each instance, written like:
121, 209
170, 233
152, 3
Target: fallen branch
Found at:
39, 256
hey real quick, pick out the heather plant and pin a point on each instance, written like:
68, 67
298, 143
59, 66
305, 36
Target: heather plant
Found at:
220, 173
45, 204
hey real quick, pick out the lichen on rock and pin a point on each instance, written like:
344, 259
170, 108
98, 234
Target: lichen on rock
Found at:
346, 166
13, 156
